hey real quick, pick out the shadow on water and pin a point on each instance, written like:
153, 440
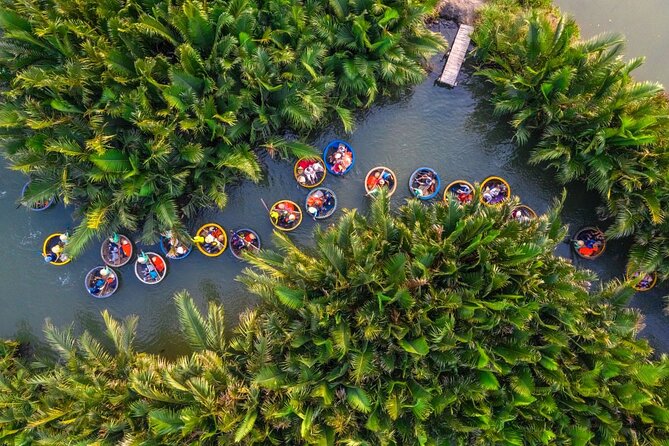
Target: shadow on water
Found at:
450, 130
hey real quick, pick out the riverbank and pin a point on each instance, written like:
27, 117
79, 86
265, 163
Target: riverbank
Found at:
460, 11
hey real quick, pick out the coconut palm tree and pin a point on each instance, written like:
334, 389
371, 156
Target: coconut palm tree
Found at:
141, 113
436, 325
590, 119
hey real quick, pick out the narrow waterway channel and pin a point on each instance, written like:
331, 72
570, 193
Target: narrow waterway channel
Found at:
452, 131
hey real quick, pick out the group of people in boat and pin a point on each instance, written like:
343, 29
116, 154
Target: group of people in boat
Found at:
150, 268
339, 157
309, 172
54, 249
589, 243
117, 250
285, 215
495, 191
424, 183
244, 240
211, 239
523, 214
173, 247
321, 203
101, 282
462, 191
380, 178
37, 205
647, 280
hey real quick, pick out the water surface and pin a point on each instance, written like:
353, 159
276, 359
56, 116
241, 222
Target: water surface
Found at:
643, 22
450, 130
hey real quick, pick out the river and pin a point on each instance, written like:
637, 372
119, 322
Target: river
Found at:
451, 130
643, 22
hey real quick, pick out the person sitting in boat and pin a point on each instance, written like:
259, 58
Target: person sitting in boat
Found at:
329, 202
250, 238
646, 282
585, 250
210, 243
316, 199
149, 272
347, 159
373, 180
54, 255
274, 216
521, 216
338, 164
236, 242
310, 175
98, 282
214, 231
114, 253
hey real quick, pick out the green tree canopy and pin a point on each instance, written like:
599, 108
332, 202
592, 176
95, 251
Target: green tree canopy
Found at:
576, 100
439, 325
142, 112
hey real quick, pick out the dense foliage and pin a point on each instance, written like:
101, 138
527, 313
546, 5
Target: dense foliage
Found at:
142, 112
590, 120
440, 325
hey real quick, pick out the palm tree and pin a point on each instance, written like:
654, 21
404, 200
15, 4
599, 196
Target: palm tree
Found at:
436, 325
429, 325
591, 121
142, 113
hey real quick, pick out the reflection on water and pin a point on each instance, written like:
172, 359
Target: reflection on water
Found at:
451, 131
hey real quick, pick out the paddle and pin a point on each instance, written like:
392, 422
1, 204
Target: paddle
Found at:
265, 204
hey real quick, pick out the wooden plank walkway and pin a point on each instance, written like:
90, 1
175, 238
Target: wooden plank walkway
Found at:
456, 56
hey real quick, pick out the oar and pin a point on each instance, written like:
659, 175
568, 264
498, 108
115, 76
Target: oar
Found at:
265, 204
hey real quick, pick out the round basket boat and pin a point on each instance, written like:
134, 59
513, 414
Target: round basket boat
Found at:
244, 240
309, 172
52, 250
424, 183
116, 250
321, 203
523, 214
379, 177
285, 215
589, 243
37, 206
339, 157
173, 248
213, 238
494, 191
647, 282
101, 282
461, 190
152, 270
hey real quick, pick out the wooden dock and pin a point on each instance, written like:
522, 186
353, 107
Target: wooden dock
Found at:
456, 56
